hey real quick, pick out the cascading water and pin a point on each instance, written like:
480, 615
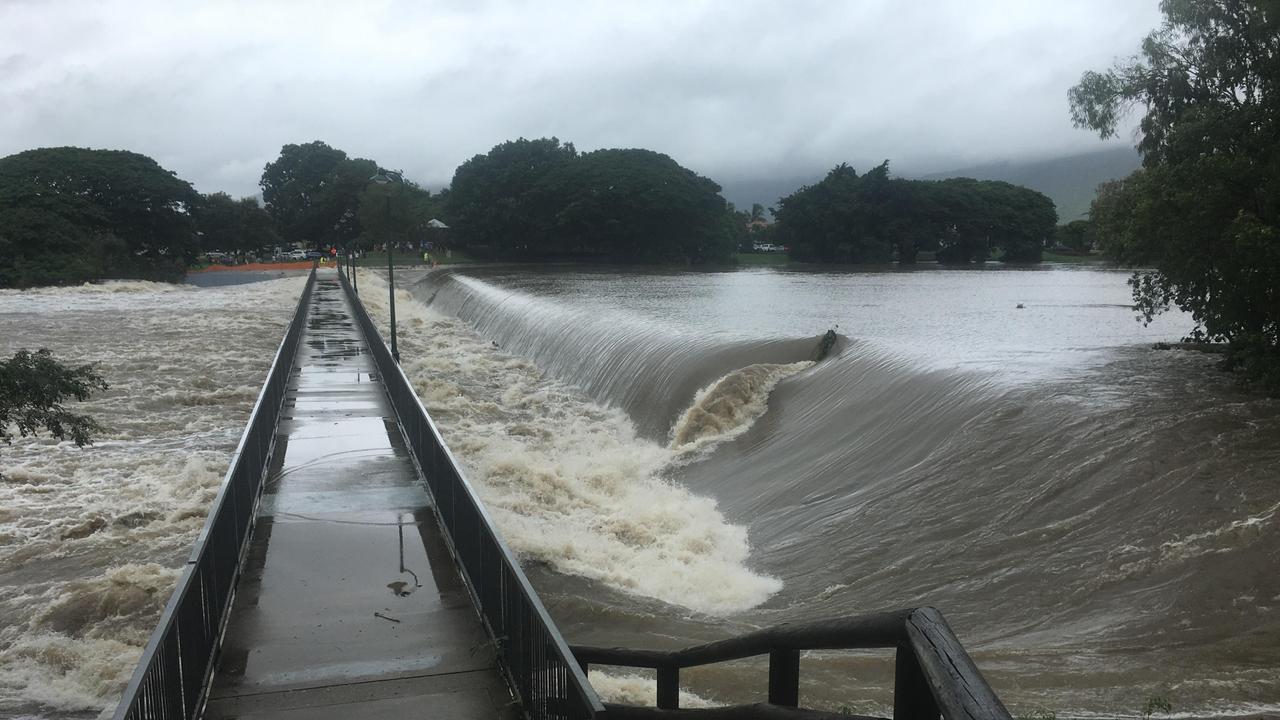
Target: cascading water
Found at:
1097, 518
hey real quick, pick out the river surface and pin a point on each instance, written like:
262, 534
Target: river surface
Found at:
92, 539
1096, 518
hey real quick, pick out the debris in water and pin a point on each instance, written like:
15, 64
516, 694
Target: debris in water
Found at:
385, 617
827, 342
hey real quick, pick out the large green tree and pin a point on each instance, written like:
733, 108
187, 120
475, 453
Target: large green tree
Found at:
490, 199
69, 215
230, 225
1205, 208
876, 219
398, 211
539, 199
313, 191
633, 206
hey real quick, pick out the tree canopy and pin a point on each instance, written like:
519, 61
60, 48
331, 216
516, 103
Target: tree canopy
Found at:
68, 215
874, 218
1204, 210
229, 225
398, 210
313, 192
539, 199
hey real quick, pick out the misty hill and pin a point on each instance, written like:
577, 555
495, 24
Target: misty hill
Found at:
742, 193
1069, 181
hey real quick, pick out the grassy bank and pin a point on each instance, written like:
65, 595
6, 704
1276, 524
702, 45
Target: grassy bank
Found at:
762, 258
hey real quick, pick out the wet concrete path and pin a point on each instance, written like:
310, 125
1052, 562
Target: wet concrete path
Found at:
349, 605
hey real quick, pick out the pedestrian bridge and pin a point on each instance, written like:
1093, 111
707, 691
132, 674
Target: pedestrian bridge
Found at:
348, 569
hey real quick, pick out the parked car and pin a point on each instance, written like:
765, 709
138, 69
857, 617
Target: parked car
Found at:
767, 247
314, 255
296, 255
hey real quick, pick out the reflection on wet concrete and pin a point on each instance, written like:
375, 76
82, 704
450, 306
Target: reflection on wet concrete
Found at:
349, 605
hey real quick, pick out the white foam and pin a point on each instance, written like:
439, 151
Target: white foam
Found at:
633, 689
568, 481
729, 406
88, 535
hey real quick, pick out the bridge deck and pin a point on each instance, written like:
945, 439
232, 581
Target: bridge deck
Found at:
349, 605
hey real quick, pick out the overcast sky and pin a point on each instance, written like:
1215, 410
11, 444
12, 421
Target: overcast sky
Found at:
733, 89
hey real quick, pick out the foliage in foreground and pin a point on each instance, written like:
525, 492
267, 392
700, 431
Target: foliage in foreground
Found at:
33, 388
1204, 210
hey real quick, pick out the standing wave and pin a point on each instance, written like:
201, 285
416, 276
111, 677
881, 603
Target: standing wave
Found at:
569, 481
647, 368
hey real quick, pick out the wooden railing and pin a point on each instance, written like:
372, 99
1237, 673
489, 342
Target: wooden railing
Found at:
934, 677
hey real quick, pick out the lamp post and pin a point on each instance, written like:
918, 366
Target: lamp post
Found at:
351, 268
386, 177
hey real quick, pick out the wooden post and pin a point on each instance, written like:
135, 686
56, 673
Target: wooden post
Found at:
669, 687
912, 698
784, 677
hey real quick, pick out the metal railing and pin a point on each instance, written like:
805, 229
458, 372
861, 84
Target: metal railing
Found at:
172, 677
539, 668
933, 675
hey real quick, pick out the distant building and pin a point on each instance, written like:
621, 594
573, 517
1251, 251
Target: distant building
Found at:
435, 224
757, 224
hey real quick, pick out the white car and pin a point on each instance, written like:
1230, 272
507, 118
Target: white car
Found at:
296, 255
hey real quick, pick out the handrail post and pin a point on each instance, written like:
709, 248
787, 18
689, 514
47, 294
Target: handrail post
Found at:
784, 677
912, 697
669, 687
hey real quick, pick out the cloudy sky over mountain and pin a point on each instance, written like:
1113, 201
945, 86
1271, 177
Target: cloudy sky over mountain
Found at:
732, 89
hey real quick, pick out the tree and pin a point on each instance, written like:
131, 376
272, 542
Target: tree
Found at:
828, 221
33, 388
70, 215
1076, 236
489, 199
876, 218
399, 211
633, 205
1205, 208
313, 192
229, 225
537, 199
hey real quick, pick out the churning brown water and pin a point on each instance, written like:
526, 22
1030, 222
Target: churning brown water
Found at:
1099, 520
92, 539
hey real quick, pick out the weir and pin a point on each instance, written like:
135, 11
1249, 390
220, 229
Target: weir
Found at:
348, 569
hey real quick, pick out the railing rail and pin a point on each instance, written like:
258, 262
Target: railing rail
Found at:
533, 655
172, 677
933, 675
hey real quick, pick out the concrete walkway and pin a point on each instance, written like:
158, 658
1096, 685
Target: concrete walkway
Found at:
349, 605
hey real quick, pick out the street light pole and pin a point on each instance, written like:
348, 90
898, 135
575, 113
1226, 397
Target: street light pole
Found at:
351, 268
391, 283
385, 177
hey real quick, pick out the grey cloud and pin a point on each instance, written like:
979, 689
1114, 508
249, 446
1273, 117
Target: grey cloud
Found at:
736, 90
